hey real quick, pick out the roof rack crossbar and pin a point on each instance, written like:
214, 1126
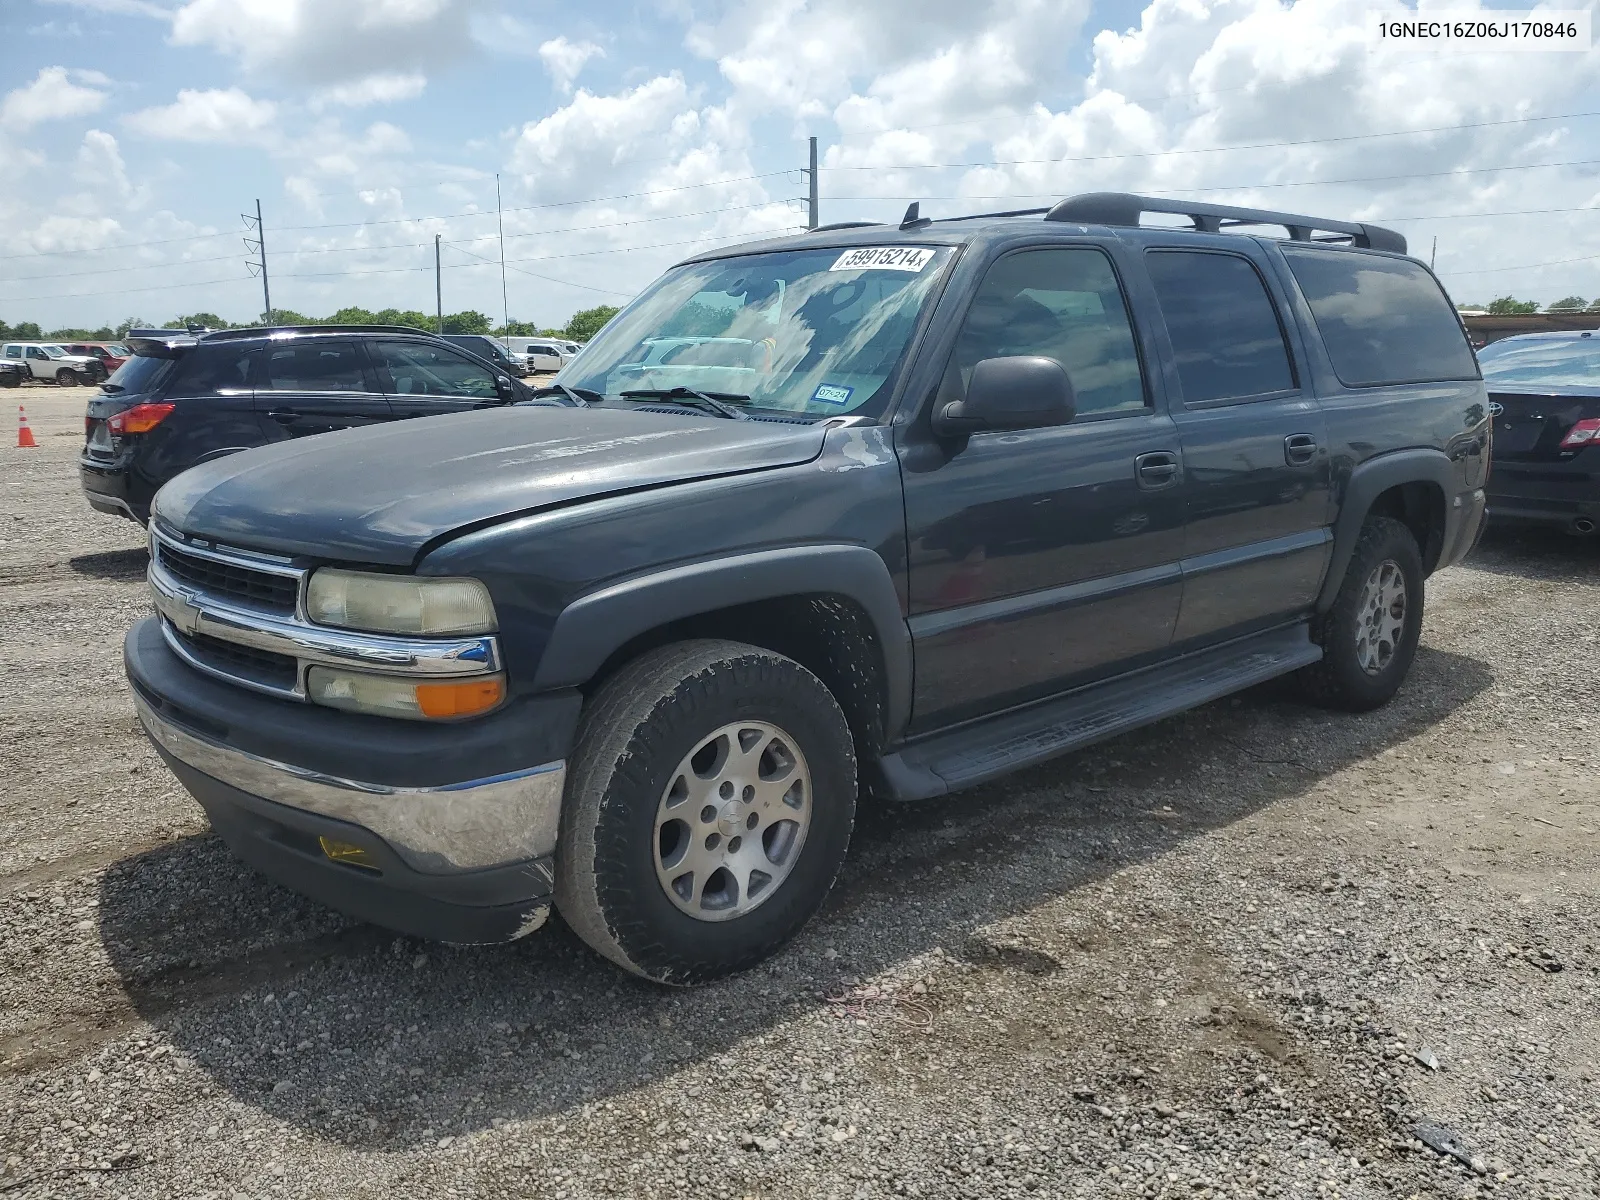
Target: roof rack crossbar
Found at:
845, 225
1125, 208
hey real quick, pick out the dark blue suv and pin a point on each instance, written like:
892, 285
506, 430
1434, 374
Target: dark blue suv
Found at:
883, 509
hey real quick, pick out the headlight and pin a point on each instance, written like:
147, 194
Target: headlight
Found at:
399, 603
389, 696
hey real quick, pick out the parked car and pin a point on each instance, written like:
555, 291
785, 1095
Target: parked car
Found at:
12, 373
185, 398
111, 354
543, 354
51, 363
934, 503
1544, 399
486, 347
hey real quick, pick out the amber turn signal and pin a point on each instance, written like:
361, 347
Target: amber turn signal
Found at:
461, 699
347, 852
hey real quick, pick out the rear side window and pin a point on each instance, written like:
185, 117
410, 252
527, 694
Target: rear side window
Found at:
1226, 337
141, 374
213, 370
315, 367
1383, 320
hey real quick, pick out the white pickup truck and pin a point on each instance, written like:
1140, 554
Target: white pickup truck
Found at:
49, 362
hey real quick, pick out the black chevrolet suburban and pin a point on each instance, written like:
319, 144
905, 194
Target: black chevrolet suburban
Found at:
876, 509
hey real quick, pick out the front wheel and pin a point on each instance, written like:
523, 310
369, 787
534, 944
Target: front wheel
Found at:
66, 378
1370, 635
709, 807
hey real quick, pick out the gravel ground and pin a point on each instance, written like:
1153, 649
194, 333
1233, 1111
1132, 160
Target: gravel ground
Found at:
1256, 950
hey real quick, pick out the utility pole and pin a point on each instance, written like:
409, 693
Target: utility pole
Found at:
438, 283
260, 245
505, 305
1435, 252
813, 221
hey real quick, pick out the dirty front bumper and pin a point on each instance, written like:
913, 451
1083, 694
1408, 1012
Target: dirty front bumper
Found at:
455, 824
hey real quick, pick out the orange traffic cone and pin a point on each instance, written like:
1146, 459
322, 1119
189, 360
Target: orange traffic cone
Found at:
24, 434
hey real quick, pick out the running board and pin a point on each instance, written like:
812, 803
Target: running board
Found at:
975, 753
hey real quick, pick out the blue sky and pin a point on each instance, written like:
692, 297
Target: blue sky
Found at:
134, 133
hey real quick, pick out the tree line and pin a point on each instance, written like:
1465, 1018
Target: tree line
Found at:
1510, 306
582, 326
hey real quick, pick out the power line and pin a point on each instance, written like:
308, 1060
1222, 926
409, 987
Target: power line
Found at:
1555, 262
1353, 137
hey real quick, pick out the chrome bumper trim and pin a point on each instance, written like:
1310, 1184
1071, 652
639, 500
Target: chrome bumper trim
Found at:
457, 827
193, 612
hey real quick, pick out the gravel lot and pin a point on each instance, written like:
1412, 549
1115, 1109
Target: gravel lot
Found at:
1251, 951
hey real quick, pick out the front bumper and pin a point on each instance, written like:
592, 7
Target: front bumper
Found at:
458, 822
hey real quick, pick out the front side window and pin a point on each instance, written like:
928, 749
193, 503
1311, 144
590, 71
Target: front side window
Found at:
36, 353
315, 367
424, 369
1227, 342
1383, 320
1063, 304
820, 332
1543, 364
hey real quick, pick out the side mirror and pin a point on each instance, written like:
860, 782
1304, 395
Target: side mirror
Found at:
506, 389
1022, 391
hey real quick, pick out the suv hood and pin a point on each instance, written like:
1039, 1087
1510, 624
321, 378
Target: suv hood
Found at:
380, 494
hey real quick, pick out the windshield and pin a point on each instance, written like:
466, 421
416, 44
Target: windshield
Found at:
54, 351
1556, 363
139, 374
117, 350
820, 332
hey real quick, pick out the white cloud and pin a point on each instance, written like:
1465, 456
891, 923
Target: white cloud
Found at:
329, 41
51, 96
212, 115
100, 164
383, 88
564, 59
601, 131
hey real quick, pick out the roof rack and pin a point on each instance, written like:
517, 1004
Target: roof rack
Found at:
222, 335
844, 225
1125, 208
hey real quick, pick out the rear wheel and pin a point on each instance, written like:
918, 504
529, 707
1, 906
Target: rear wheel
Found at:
709, 808
1369, 636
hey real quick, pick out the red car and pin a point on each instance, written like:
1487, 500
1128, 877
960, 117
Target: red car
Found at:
111, 354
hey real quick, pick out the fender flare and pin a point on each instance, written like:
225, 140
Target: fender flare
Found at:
591, 628
1367, 482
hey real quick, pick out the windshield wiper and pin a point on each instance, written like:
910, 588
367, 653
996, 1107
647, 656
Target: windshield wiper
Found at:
579, 397
720, 404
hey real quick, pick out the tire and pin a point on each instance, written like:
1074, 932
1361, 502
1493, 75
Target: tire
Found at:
651, 745
1369, 637
66, 378
11, 380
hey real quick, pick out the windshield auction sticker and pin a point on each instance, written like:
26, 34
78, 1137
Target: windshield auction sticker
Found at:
1483, 29
884, 258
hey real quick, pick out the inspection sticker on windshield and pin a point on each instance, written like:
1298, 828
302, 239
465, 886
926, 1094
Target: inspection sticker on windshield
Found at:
884, 258
832, 393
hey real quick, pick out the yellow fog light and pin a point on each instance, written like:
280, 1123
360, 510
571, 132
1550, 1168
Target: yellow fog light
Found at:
347, 852
389, 696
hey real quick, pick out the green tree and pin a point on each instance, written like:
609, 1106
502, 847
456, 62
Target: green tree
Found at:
288, 316
1568, 304
209, 320
128, 323
27, 331
68, 335
585, 324
471, 321
404, 316
519, 329
352, 316
1510, 306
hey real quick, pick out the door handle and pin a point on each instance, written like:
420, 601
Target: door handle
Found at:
284, 416
1156, 470
1299, 449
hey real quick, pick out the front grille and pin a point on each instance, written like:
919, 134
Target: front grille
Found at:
258, 666
258, 589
